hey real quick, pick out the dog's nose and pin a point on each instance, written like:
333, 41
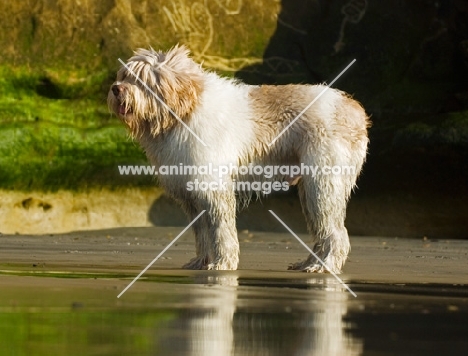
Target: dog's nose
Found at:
117, 89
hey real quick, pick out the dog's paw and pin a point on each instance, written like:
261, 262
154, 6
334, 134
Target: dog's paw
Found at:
224, 264
197, 263
314, 266
306, 266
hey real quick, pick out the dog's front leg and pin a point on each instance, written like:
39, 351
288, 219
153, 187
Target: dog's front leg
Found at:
222, 232
216, 243
200, 229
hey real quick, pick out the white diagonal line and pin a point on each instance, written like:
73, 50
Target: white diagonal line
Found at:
312, 252
163, 103
312, 102
162, 252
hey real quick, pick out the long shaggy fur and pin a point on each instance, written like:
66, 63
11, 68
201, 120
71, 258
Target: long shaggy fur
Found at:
237, 122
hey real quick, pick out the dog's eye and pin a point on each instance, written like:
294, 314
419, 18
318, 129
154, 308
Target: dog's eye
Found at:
122, 75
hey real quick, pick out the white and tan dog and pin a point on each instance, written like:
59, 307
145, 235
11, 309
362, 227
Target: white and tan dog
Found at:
238, 122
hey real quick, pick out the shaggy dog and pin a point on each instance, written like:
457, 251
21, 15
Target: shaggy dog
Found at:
184, 116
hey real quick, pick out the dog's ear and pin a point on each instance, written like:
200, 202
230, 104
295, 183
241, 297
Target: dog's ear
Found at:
180, 81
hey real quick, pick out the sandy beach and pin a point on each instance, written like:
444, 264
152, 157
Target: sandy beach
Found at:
60, 294
129, 250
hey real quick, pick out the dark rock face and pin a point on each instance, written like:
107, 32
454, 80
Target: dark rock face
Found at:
411, 55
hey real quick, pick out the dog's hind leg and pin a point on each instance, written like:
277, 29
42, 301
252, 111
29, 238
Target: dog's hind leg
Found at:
323, 199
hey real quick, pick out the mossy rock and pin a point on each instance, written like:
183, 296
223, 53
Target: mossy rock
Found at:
59, 58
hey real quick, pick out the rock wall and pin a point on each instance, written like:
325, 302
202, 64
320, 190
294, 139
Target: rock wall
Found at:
59, 57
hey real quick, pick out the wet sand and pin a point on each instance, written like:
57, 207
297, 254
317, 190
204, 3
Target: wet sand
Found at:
129, 250
59, 291
412, 297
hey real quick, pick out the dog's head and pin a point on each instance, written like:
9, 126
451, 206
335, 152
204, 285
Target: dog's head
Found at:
154, 90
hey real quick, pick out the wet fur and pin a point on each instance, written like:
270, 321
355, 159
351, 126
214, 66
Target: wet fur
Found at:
237, 122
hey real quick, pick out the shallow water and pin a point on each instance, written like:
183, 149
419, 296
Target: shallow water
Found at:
211, 313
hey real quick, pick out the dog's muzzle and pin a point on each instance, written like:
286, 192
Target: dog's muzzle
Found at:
119, 93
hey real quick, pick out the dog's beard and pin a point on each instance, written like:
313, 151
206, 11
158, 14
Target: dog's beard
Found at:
120, 101
140, 111
124, 106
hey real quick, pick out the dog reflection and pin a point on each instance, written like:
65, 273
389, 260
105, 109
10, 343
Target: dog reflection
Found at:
226, 317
